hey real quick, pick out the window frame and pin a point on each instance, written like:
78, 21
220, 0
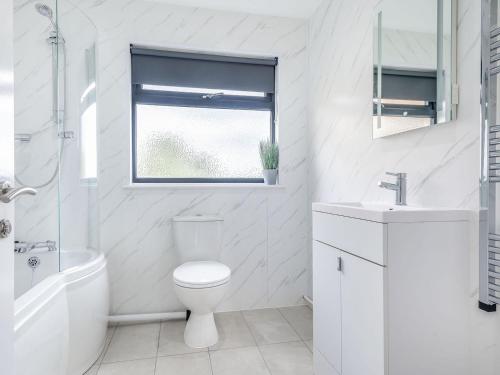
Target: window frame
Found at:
142, 96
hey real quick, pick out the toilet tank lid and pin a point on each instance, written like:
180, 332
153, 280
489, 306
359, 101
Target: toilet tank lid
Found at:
196, 218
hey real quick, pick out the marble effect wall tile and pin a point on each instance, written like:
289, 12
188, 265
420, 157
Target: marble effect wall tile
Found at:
135, 224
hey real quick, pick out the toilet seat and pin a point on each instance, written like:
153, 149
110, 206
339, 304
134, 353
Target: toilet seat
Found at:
203, 274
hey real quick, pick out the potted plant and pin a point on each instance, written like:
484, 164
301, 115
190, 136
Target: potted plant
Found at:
269, 156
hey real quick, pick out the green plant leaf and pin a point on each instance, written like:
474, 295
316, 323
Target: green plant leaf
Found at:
269, 154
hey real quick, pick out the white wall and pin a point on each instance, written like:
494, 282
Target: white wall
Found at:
265, 239
442, 162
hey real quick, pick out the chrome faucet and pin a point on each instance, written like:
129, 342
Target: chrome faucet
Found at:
23, 247
399, 187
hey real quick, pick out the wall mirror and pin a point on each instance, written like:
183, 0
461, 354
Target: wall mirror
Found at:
414, 75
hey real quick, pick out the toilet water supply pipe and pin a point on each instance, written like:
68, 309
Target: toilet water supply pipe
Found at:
146, 318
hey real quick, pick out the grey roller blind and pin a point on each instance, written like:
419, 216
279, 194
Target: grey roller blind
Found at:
169, 68
407, 84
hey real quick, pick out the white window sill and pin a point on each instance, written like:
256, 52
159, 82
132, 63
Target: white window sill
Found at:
205, 186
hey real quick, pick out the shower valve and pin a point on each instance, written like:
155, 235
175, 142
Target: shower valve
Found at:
5, 228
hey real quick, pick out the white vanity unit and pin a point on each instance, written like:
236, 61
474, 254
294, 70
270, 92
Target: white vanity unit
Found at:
390, 289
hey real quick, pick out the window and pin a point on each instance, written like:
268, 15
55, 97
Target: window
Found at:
198, 117
88, 122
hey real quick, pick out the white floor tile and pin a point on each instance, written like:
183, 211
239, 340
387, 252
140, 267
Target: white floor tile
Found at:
139, 349
301, 319
133, 342
186, 364
109, 336
241, 361
138, 367
292, 358
172, 339
310, 345
269, 327
92, 370
233, 331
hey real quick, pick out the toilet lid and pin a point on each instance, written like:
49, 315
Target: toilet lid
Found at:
204, 274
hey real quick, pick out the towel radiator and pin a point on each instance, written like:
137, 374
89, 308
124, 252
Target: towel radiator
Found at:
489, 213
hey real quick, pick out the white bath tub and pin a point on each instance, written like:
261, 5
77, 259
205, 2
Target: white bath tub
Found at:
60, 321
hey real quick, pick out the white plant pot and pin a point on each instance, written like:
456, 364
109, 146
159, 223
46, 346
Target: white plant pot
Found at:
270, 176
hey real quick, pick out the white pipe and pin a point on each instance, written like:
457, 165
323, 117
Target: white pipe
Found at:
145, 318
309, 302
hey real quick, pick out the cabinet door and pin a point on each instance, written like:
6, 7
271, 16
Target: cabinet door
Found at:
363, 346
327, 309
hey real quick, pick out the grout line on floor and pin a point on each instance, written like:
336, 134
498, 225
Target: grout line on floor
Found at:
156, 365
249, 328
308, 348
232, 347
303, 341
256, 344
180, 354
157, 347
210, 361
107, 344
128, 360
293, 328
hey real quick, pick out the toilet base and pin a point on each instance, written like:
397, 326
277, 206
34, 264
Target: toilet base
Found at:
201, 331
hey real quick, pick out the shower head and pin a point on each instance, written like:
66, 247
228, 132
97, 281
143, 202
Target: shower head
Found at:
44, 10
47, 12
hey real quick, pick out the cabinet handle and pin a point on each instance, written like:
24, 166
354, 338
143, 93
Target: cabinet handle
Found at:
339, 264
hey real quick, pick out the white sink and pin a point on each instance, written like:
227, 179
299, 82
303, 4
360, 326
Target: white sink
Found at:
391, 213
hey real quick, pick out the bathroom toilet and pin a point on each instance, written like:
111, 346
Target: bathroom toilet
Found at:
201, 280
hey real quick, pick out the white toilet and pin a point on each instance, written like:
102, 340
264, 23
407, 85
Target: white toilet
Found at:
200, 281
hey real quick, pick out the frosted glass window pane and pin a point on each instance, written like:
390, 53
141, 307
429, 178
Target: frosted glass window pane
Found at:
178, 142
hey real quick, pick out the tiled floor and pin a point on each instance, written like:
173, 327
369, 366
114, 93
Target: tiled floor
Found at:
257, 342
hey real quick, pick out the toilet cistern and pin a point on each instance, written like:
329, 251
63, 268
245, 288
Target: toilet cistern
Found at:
399, 187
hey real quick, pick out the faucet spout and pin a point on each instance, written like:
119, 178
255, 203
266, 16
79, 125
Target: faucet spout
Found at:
387, 185
399, 187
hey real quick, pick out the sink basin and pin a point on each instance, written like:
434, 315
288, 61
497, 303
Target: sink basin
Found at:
391, 213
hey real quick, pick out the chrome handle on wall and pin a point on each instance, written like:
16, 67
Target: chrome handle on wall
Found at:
339, 264
8, 193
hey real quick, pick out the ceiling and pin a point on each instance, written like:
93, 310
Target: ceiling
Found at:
280, 8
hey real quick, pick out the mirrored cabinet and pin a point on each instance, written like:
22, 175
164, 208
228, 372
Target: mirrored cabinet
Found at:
414, 74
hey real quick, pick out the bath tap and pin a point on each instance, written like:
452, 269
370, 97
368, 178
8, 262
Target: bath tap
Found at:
22, 247
399, 187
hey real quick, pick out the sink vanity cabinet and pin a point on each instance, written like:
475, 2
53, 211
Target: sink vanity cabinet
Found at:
390, 290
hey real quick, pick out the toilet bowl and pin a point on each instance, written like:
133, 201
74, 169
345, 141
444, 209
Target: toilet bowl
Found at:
201, 281
200, 286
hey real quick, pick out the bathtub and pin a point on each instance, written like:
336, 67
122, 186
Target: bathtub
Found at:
60, 318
